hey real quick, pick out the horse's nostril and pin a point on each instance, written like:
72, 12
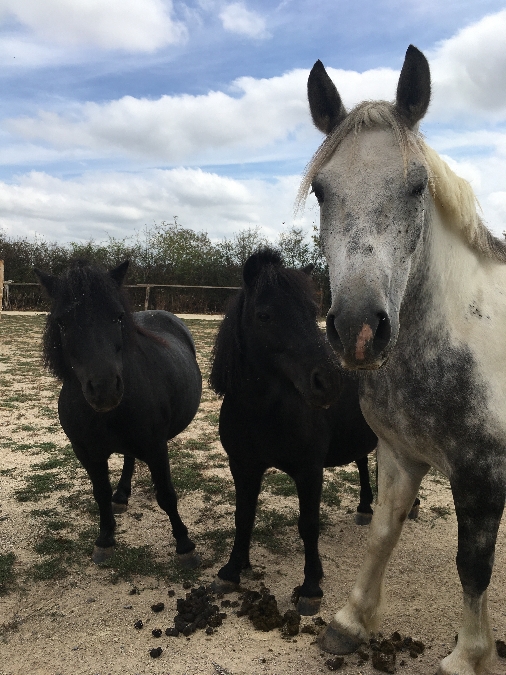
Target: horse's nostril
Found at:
90, 388
118, 383
383, 333
318, 384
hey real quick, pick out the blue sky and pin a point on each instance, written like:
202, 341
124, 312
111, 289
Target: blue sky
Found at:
120, 113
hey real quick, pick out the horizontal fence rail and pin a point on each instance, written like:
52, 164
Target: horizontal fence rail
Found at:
6, 303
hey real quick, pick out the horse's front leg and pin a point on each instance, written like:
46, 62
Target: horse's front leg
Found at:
479, 508
247, 480
102, 491
309, 489
166, 497
398, 482
124, 487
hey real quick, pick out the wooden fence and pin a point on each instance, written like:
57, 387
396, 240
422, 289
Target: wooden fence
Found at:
35, 303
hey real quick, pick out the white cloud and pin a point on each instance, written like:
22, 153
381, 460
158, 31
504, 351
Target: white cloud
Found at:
268, 119
100, 204
236, 18
127, 25
469, 71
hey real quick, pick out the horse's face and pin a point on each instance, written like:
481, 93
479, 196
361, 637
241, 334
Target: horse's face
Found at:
93, 346
280, 331
372, 210
85, 331
371, 219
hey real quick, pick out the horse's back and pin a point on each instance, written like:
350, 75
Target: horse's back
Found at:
166, 326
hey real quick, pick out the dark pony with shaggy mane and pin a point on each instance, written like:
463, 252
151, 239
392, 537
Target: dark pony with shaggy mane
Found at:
130, 383
285, 405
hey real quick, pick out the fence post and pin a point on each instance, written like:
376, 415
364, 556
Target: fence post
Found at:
146, 299
1, 286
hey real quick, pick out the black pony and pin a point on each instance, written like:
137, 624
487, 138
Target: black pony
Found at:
130, 383
286, 405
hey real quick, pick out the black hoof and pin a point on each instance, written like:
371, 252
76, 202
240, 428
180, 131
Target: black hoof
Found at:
362, 518
100, 554
223, 586
189, 561
333, 641
119, 508
308, 606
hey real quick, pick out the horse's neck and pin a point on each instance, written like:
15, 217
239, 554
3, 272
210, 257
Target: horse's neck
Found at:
452, 286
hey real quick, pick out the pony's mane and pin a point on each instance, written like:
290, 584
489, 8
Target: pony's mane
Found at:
453, 196
87, 285
228, 352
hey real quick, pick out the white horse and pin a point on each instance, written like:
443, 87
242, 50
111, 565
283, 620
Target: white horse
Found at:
419, 306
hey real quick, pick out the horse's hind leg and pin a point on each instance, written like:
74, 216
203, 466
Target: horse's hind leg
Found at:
309, 487
363, 515
479, 507
247, 480
124, 487
167, 500
399, 481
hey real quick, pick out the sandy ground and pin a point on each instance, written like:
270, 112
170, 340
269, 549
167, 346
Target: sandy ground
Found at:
84, 624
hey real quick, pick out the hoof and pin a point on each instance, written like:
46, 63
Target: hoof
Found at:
189, 561
223, 586
100, 554
119, 508
335, 642
308, 606
362, 518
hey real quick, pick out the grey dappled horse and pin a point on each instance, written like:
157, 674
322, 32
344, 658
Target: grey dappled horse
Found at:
419, 307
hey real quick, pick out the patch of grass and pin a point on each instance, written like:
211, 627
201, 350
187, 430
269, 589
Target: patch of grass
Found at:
270, 528
128, 561
79, 502
280, 484
7, 472
349, 476
7, 574
53, 568
44, 513
39, 485
200, 444
213, 418
217, 542
57, 525
187, 477
54, 545
441, 511
331, 493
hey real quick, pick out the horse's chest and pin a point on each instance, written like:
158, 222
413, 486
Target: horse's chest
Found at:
433, 404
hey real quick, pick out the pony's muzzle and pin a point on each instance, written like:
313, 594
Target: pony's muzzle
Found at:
104, 394
360, 344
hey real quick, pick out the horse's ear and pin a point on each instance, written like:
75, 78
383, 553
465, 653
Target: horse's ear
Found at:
308, 269
118, 273
325, 103
413, 89
47, 281
251, 269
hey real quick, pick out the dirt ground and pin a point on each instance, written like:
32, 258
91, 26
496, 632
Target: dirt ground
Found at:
83, 622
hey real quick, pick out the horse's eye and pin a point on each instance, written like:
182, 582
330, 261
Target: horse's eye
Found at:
119, 318
418, 190
317, 190
263, 317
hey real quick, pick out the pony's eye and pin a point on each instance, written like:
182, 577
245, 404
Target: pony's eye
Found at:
318, 193
263, 317
119, 318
